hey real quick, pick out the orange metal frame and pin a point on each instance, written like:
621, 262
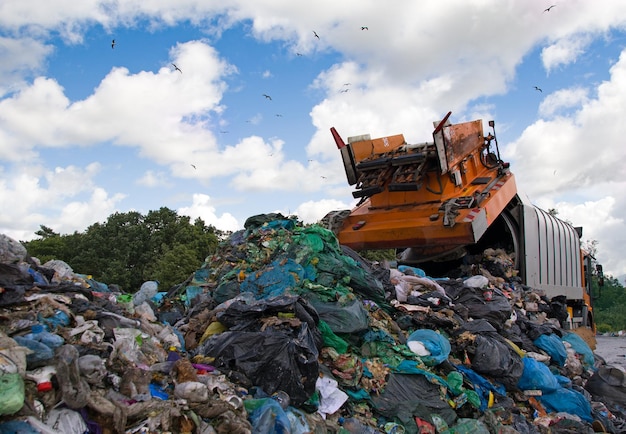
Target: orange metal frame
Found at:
402, 219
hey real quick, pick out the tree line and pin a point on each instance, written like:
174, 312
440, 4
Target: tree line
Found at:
130, 248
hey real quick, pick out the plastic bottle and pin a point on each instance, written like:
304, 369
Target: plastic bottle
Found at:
147, 290
126, 302
39, 333
42, 377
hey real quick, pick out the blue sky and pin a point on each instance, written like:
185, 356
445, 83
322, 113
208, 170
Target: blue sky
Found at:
87, 130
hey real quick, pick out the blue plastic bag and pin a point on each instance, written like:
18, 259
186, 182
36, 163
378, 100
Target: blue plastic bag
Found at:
59, 319
416, 271
567, 401
481, 385
435, 343
40, 354
273, 280
267, 416
563, 381
537, 376
580, 346
553, 346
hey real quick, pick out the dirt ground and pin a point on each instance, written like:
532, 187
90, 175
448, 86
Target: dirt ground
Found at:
588, 336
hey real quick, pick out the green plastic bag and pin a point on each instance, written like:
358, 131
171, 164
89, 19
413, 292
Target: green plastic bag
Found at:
331, 339
11, 393
467, 426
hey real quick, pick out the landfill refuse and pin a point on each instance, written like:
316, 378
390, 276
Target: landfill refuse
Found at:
283, 330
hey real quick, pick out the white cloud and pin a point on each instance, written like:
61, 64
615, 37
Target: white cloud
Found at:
77, 215
562, 100
153, 179
563, 52
602, 221
26, 57
314, 211
201, 207
37, 197
162, 114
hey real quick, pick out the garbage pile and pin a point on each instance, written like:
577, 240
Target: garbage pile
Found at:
285, 331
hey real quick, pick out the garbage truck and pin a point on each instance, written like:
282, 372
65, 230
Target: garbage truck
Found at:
439, 201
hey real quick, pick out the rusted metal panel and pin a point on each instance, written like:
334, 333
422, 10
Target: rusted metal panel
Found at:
462, 140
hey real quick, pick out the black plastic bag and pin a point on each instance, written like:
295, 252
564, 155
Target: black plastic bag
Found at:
409, 395
608, 383
343, 318
271, 359
496, 359
271, 343
496, 310
15, 281
558, 308
247, 315
256, 221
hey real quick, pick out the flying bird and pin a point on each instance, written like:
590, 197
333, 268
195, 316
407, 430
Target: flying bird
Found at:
364, 28
113, 44
548, 9
278, 115
315, 34
298, 54
344, 90
267, 96
176, 68
193, 166
538, 88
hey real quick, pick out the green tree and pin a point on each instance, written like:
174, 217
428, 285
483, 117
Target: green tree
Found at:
130, 248
611, 294
45, 232
175, 264
610, 304
47, 247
